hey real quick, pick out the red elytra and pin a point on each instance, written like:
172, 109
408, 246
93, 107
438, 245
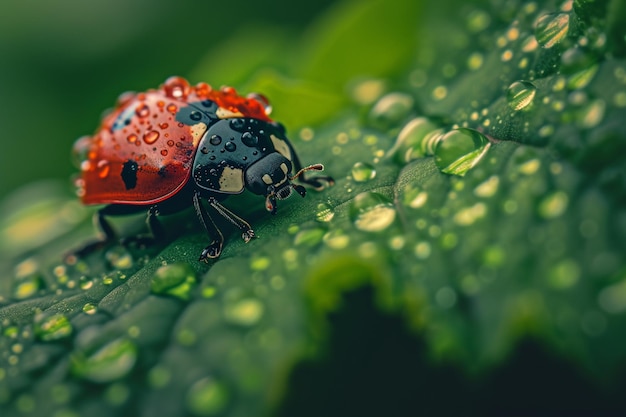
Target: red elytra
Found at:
143, 128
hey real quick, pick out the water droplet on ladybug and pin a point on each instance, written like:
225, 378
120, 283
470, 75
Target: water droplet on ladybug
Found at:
132, 138
143, 110
249, 139
195, 115
172, 108
212, 157
164, 152
237, 124
160, 104
151, 137
103, 168
215, 140
213, 171
176, 87
170, 143
125, 98
204, 150
163, 126
230, 146
80, 151
261, 99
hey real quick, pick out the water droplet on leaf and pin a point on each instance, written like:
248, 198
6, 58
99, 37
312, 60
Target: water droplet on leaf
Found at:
459, 150
111, 362
520, 95
551, 29
176, 279
362, 172
50, 327
372, 212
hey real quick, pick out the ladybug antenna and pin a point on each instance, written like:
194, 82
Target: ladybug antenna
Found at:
314, 167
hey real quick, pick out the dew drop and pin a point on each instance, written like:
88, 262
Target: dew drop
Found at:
90, 309
372, 212
132, 138
207, 397
459, 150
109, 363
249, 139
230, 146
414, 197
150, 137
215, 140
172, 108
582, 78
27, 286
487, 188
164, 152
553, 205
143, 110
416, 139
362, 172
467, 216
176, 87
592, 114
119, 257
336, 239
50, 327
551, 29
390, 110
244, 312
520, 95
261, 99
177, 279
103, 168
80, 150
324, 213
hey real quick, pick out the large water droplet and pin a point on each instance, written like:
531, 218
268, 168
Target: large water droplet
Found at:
551, 29
143, 110
49, 327
324, 213
112, 361
176, 87
244, 312
27, 286
520, 94
176, 279
415, 140
553, 205
151, 136
390, 110
119, 257
372, 212
80, 151
207, 397
459, 150
362, 172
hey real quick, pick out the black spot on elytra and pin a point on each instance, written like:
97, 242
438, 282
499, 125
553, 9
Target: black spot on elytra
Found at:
129, 174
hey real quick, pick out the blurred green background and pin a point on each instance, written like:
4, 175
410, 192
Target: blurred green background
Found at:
64, 62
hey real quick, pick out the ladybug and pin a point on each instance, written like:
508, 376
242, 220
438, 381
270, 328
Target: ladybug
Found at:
161, 150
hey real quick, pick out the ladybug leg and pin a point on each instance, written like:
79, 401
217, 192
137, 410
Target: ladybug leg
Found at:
104, 228
247, 233
215, 247
318, 182
155, 229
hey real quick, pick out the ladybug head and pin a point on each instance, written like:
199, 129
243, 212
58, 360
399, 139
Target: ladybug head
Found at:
271, 176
